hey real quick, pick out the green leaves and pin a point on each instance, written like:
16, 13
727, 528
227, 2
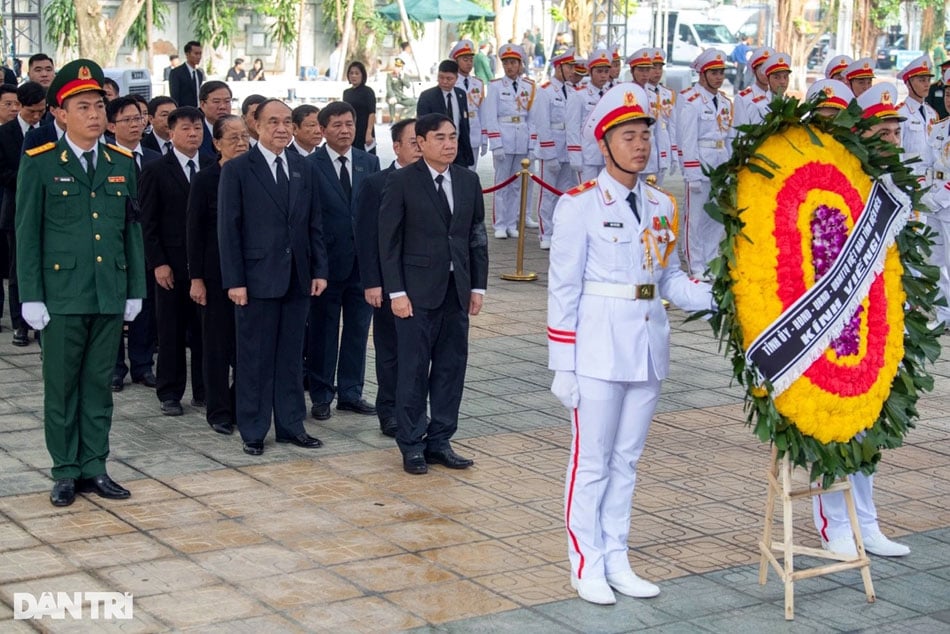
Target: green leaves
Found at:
828, 461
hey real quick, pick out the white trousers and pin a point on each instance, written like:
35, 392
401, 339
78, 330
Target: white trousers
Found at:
703, 234
561, 177
831, 513
940, 257
610, 428
507, 202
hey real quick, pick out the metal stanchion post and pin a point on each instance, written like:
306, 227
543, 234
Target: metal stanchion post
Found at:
520, 275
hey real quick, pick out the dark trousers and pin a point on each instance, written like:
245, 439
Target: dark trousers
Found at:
13, 289
384, 341
217, 340
329, 353
177, 325
141, 339
433, 354
78, 355
269, 375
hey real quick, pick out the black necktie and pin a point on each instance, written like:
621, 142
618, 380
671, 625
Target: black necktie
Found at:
90, 164
923, 113
191, 170
448, 107
632, 199
514, 85
168, 147
716, 102
345, 178
601, 93
466, 84
138, 162
283, 185
446, 209
564, 90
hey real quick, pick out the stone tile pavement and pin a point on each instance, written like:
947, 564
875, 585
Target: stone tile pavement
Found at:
340, 539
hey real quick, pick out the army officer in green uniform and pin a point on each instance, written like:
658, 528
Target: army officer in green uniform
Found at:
81, 269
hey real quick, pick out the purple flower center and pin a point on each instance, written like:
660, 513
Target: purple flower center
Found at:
829, 232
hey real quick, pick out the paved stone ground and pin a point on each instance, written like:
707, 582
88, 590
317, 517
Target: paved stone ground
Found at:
340, 539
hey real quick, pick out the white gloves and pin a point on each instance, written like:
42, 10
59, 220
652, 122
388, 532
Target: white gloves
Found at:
484, 149
35, 314
564, 387
132, 309
498, 153
695, 186
674, 166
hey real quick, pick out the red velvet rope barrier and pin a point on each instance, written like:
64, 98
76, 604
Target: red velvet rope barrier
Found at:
504, 183
546, 186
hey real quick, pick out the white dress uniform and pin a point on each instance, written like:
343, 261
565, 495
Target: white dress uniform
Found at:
829, 511
583, 153
919, 118
607, 325
474, 88
938, 201
551, 150
705, 128
507, 113
750, 100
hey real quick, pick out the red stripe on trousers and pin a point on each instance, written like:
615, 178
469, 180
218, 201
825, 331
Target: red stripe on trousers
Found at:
570, 493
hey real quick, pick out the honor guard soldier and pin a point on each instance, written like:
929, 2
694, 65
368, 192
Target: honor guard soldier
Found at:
616, 65
829, 511
919, 117
937, 200
464, 55
834, 96
580, 72
859, 75
752, 102
936, 92
549, 124
665, 127
704, 130
81, 268
836, 66
641, 69
613, 257
507, 110
584, 155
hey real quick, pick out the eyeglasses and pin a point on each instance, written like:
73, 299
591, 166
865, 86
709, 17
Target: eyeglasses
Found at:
237, 138
138, 119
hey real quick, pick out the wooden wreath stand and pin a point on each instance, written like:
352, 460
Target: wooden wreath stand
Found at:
780, 487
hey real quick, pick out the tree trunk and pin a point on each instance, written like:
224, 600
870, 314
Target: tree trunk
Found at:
299, 44
865, 33
516, 9
797, 39
496, 25
579, 15
345, 42
99, 36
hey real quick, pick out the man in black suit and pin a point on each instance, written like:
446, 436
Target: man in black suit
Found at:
272, 261
49, 131
173, 62
367, 254
451, 101
158, 110
342, 170
32, 98
248, 107
214, 99
185, 79
164, 192
127, 123
434, 255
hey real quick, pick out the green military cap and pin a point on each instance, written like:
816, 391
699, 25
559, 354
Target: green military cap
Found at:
79, 75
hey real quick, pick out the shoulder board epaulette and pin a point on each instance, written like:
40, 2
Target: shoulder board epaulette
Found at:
546, 84
120, 150
695, 95
46, 147
528, 79
941, 120
661, 190
758, 99
582, 187
745, 91
686, 90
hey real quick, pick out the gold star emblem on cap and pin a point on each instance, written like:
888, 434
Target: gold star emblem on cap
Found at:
84, 73
629, 99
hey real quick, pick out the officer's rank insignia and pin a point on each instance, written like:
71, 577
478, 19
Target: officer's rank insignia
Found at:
117, 179
582, 187
46, 147
63, 158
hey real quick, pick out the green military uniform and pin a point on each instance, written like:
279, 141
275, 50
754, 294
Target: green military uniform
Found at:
80, 251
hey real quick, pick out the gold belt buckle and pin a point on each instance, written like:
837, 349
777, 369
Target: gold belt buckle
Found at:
720, 145
940, 175
645, 291
516, 119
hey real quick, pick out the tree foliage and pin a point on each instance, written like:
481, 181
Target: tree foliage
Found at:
368, 27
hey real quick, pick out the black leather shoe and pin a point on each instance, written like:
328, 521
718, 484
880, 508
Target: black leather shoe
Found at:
359, 406
172, 408
448, 458
198, 402
21, 337
253, 448
388, 427
320, 411
414, 463
303, 440
225, 428
147, 379
64, 492
103, 486
118, 383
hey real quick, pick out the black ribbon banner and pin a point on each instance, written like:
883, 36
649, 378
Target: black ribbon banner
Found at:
787, 348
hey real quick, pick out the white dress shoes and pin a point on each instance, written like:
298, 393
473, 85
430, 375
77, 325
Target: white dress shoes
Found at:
843, 545
877, 544
594, 590
501, 234
628, 583
512, 233
530, 223
545, 244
